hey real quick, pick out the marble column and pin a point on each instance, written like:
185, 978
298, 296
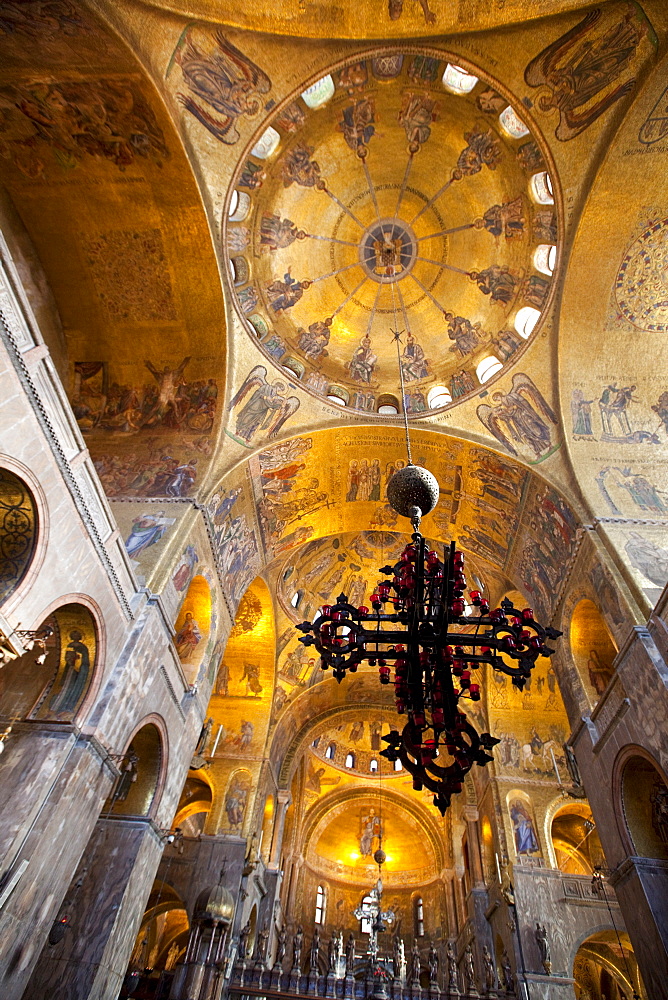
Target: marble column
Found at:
53, 783
284, 799
105, 905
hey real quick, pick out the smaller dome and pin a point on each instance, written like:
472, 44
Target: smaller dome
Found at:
216, 904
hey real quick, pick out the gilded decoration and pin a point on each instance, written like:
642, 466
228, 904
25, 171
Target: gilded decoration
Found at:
397, 203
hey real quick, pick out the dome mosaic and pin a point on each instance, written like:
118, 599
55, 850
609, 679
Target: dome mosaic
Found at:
399, 210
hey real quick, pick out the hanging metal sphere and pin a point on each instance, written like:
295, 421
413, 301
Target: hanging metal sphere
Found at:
379, 856
411, 488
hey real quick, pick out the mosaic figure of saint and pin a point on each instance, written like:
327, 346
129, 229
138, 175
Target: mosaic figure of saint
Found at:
363, 362
417, 113
277, 233
465, 335
285, 294
313, 342
526, 841
581, 414
505, 220
297, 167
357, 123
483, 149
413, 362
188, 637
147, 529
75, 675
496, 281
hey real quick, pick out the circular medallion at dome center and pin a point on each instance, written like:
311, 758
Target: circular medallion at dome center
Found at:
388, 249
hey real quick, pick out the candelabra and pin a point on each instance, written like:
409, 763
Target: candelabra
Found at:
417, 623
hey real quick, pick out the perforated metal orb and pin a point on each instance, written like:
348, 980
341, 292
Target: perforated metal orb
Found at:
411, 488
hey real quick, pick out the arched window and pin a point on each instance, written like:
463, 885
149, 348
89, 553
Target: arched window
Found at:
418, 910
330, 751
296, 598
458, 80
397, 765
318, 93
388, 404
337, 394
488, 367
266, 144
373, 765
239, 206
438, 396
540, 187
544, 258
18, 531
293, 366
513, 125
367, 915
525, 321
320, 905
350, 760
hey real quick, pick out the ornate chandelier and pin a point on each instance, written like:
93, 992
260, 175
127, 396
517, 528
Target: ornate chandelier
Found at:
417, 623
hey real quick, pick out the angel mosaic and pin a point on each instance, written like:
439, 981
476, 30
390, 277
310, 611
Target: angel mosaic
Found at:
357, 123
285, 294
497, 282
505, 220
313, 342
297, 167
483, 149
265, 406
417, 113
278, 234
579, 71
520, 417
226, 80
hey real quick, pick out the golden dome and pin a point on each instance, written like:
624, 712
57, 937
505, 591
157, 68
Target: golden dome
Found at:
405, 200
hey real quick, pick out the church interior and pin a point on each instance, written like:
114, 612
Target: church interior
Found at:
232, 237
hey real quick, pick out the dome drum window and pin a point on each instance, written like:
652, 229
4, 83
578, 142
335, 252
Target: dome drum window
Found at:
512, 124
266, 144
319, 93
239, 206
526, 320
545, 258
487, 368
458, 80
540, 186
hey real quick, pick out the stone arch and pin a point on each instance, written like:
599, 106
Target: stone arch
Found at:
163, 932
23, 529
138, 790
573, 840
599, 947
591, 647
194, 805
640, 793
54, 679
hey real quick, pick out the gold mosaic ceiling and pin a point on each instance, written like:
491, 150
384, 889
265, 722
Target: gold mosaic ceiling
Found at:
402, 201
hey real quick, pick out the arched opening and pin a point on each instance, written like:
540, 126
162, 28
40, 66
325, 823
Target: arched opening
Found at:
320, 905
319, 93
162, 937
18, 531
266, 144
605, 968
576, 843
487, 850
191, 629
418, 916
267, 824
140, 769
592, 647
194, 807
645, 804
367, 912
51, 680
458, 80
